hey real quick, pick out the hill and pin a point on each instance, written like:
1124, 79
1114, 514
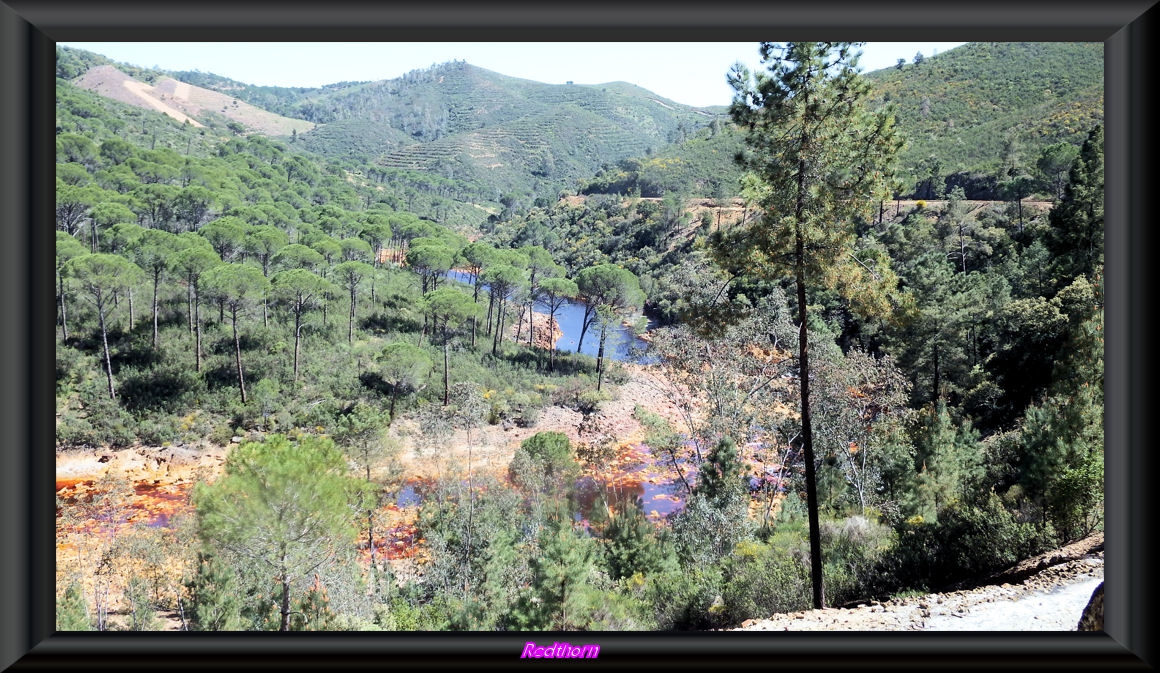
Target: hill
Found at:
971, 115
183, 101
987, 106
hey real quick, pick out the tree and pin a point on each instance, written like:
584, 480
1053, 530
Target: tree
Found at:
227, 235
404, 366
238, 287
448, 308
477, 256
193, 260
1076, 238
355, 249
1062, 461
362, 432
505, 280
965, 235
73, 204
558, 598
298, 256
541, 266
67, 248
72, 612
300, 291
263, 241
101, 276
107, 214
860, 417
430, 259
153, 251
282, 505
1054, 164
822, 159
555, 292
949, 460
192, 205
350, 274
214, 594
608, 292
116, 150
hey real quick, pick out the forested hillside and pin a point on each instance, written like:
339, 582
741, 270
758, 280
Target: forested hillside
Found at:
835, 386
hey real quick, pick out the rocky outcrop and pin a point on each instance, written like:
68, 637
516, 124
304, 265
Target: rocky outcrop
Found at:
542, 337
1092, 618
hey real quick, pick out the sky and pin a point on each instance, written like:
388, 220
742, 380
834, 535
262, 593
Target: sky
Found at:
693, 73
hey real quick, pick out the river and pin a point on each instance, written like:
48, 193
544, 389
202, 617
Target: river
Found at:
622, 344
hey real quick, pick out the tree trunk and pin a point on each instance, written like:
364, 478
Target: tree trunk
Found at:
156, 282
446, 377
350, 322
498, 329
804, 374
585, 321
131, 314
490, 310
297, 338
600, 357
808, 439
105, 343
189, 291
552, 347
238, 353
285, 626
197, 328
63, 309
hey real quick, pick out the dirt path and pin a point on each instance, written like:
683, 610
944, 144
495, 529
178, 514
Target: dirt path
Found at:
1054, 589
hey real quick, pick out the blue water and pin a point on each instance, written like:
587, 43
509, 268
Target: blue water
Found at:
622, 343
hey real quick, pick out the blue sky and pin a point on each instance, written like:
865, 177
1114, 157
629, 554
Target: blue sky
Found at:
687, 72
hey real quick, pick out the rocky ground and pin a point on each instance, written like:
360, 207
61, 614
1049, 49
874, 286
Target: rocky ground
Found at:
1045, 593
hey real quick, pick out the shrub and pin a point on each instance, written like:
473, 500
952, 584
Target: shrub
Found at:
761, 579
966, 541
851, 549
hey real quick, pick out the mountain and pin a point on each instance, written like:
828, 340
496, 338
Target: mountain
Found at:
465, 122
184, 102
986, 106
970, 114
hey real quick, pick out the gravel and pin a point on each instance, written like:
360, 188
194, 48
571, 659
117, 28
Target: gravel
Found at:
1049, 594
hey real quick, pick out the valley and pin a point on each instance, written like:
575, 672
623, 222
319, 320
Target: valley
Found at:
856, 364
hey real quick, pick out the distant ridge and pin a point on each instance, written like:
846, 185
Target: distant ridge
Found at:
185, 102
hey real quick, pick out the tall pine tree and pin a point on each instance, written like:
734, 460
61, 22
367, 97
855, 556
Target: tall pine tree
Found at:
819, 159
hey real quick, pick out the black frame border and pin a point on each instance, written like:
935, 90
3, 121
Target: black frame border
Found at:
29, 30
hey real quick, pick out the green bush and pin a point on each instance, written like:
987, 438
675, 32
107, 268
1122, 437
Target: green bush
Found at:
966, 541
851, 549
761, 580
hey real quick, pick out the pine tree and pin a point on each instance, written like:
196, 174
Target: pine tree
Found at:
1077, 222
820, 159
558, 598
72, 612
216, 603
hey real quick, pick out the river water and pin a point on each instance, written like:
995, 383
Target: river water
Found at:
622, 344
